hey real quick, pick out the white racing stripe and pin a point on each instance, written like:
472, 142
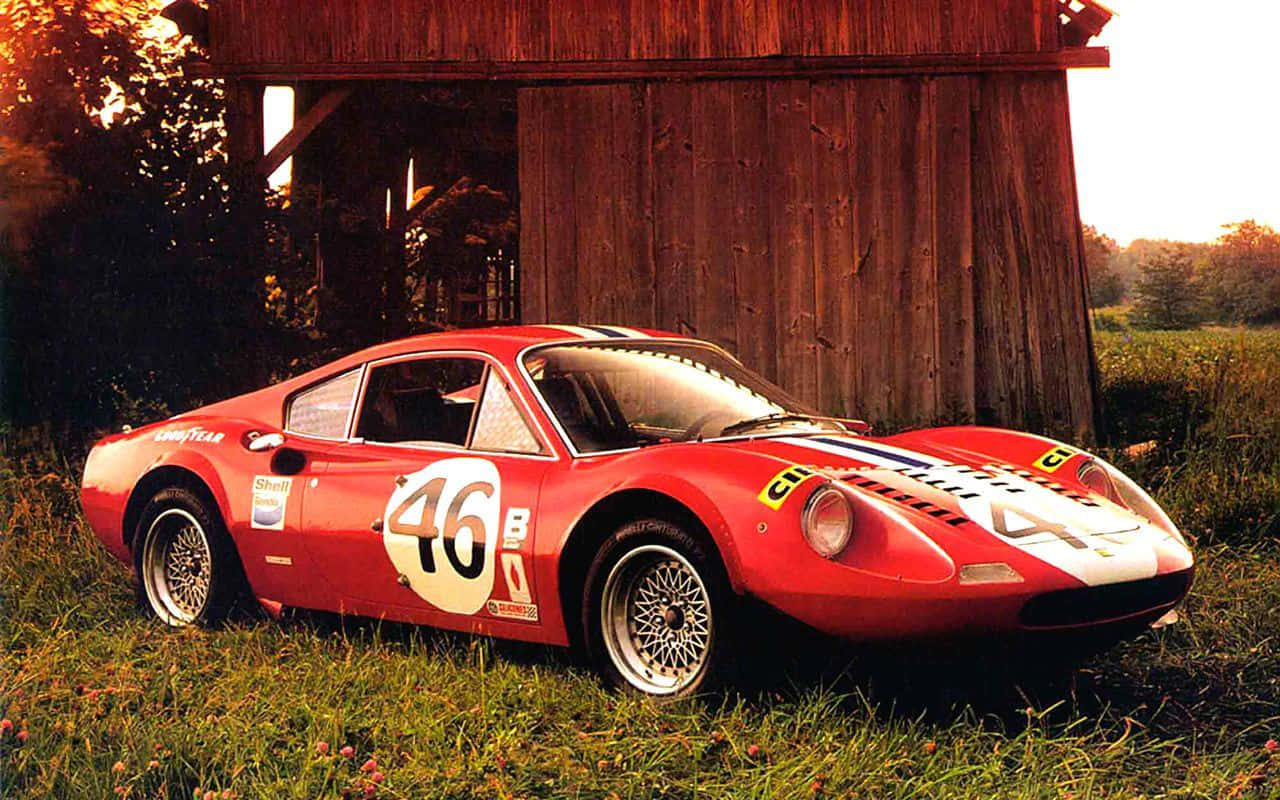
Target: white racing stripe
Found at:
1095, 545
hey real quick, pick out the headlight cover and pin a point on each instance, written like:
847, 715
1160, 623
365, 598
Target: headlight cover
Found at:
1106, 480
827, 521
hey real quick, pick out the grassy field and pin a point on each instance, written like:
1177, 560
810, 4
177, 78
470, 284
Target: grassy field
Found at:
110, 705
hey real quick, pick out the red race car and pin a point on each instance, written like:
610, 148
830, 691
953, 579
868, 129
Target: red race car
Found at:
621, 491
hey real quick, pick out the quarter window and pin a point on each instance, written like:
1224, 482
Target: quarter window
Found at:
324, 410
500, 425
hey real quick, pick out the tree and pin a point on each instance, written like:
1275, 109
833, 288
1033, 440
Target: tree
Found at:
129, 277
1166, 292
1242, 277
1105, 286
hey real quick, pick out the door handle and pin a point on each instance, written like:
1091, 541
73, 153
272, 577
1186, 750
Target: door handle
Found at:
376, 527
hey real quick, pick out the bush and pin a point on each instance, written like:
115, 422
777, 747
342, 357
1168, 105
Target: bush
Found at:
1207, 400
1110, 323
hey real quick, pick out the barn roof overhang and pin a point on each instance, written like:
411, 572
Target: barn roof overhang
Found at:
668, 69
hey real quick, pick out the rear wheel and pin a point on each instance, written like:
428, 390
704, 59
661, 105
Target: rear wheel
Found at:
658, 611
187, 567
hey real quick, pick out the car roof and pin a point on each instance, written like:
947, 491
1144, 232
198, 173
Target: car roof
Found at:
506, 338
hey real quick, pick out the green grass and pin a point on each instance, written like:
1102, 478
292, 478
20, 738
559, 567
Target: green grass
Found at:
1181, 712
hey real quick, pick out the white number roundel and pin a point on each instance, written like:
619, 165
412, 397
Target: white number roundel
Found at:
439, 531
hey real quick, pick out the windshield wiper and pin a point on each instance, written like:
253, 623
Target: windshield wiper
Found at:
767, 419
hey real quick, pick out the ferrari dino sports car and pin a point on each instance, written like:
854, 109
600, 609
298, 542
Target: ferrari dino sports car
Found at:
620, 491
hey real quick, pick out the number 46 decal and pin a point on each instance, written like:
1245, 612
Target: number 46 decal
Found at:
442, 526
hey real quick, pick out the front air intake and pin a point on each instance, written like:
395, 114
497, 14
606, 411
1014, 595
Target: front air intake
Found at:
1098, 603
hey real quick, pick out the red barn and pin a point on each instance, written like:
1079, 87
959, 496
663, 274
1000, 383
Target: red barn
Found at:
872, 202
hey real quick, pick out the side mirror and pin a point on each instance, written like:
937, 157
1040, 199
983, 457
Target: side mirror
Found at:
262, 442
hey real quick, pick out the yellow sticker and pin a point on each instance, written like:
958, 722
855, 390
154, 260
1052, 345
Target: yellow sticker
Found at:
775, 492
1055, 458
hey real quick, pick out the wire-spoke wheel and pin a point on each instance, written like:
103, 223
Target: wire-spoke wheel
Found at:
177, 566
655, 610
188, 572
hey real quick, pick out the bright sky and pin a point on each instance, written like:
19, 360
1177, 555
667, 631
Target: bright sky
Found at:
1182, 133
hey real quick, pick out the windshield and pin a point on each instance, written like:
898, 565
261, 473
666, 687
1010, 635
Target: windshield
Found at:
613, 396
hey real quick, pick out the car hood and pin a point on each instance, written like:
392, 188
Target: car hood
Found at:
1084, 535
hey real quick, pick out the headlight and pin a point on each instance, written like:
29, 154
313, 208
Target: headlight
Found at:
1114, 485
827, 521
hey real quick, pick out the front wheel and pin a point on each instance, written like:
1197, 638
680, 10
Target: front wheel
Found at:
658, 611
188, 570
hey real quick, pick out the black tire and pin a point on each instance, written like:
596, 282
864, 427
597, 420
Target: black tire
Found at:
653, 548
175, 513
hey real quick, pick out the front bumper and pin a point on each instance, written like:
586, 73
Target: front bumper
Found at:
959, 611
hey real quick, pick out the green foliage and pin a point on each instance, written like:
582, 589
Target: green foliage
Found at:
1106, 287
1103, 321
1180, 712
1206, 400
135, 272
1166, 296
1241, 279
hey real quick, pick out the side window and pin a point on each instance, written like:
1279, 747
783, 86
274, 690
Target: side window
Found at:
500, 426
325, 409
428, 400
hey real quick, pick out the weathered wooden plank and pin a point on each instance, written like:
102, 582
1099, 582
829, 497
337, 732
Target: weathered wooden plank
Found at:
671, 106
953, 242
1084, 385
595, 196
834, 261
374, 31
633, 221
791, 237
533, 31
917, 369
1000, 310
894, 227
713, 169
560, 71
532, 123
768, 30
1064, 357
755, 297
560, 207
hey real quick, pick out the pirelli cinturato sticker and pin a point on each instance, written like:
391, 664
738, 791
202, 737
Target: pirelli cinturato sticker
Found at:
775, 492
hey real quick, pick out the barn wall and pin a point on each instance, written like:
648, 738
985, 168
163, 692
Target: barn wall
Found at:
374, 31
900, 249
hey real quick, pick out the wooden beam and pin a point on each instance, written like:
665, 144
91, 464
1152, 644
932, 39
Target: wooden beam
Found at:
302, 128
668, 69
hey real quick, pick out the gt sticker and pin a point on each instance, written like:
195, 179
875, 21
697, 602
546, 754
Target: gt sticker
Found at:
525, 612
1052, 460
270, 499
442, 523
774, 494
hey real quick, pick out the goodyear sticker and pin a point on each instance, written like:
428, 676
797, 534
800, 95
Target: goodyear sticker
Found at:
270, 497
1055, 458
775, 492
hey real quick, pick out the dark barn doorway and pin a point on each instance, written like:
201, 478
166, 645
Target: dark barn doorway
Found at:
416, 189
